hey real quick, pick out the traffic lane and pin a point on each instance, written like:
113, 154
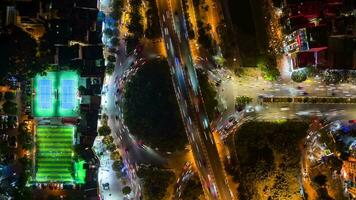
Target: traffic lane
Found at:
288, 111
210, 150
230, 91
138, 154
285, 111
189, 127
216, 166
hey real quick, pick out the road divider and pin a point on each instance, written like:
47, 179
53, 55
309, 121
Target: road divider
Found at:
307, 100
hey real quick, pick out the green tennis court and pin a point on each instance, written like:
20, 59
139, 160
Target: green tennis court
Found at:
54, 156
56, 94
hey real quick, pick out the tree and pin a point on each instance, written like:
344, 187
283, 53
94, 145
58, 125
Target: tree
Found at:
135, 26
193, 189
115, 155
111, 147
241, 102
110, 67
258, 145
26, 141
126, 190
131, 43
104, 130
111, 58
108, 139
155, 182
82, 90
153, 27
25, 162
10, 108
331, 77
203, 37
114, 42
267, 65
117, 165
299, 76
9, 96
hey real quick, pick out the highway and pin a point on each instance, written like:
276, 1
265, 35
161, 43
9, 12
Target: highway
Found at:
196, 122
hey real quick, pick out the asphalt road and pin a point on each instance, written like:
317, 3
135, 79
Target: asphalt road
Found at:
131, 151
189, 98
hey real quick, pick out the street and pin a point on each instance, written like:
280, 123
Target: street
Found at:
190, 101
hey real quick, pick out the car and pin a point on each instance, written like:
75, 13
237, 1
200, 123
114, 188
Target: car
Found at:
138, 50
285, 108
140, 143
140, 62
106, 186
228, 126
231, 119
250, 109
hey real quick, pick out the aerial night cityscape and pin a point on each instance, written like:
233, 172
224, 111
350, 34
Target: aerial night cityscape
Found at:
177, 99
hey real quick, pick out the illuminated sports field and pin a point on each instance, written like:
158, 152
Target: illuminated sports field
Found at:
56, 94
54, 156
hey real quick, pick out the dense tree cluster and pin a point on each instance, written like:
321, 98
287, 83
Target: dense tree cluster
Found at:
204, 37
209, 94
150, 107
18, 54
135, 27
189, 25
155, 182
153, 27
268, 67
241, 102
193, 189
268, 157
10, 107
104, 130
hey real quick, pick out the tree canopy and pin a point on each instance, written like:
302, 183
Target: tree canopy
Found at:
268, 67
150, 107
193, 189
155, 182
126, 190
18, 54
10, 108
241, 102
104, 130
209, 94
299, 76
268, 157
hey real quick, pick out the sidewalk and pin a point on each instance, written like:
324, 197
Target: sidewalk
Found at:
110, 186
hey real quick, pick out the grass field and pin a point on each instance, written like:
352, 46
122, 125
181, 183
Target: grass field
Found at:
54, 154
56, 94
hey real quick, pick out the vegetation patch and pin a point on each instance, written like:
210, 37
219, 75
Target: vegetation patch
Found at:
268, 159
209, 94
155, 182
150, 107
193, 189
